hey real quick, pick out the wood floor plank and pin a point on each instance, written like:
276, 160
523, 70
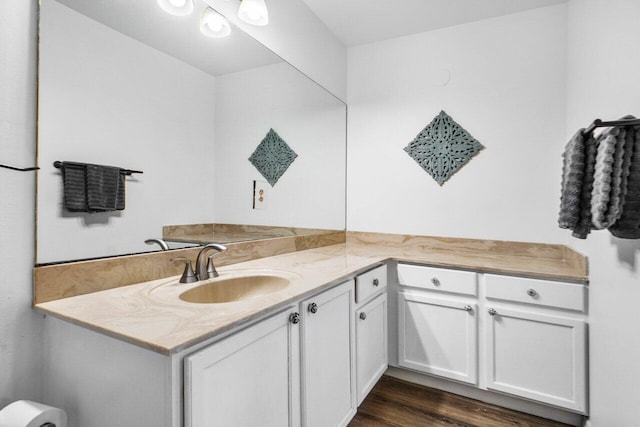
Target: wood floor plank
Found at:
394, 402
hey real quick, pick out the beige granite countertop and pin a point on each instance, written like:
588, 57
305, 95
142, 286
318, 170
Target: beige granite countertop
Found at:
151, 315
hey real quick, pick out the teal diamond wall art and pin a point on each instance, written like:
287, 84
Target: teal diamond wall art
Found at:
272, 157
443, 147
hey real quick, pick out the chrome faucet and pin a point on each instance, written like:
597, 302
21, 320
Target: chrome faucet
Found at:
163, 245
204, 265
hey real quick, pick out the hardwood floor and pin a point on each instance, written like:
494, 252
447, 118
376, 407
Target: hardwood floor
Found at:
394, 402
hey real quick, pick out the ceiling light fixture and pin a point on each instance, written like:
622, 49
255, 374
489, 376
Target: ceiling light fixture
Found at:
253, 12
212, 24
177, 7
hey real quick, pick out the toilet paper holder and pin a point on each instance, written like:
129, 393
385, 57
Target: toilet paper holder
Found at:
26, 413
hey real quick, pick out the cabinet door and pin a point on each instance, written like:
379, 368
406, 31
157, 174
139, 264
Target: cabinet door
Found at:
540, 357
327, 364
249, 379
371, 345
438, 336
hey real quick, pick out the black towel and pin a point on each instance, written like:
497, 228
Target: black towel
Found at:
75, 186
628, 225
103, 188
93, 188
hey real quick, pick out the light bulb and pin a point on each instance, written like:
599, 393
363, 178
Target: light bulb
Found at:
212, 24
177, 7
253, 12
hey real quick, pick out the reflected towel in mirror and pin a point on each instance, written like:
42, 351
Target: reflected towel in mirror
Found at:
93, 188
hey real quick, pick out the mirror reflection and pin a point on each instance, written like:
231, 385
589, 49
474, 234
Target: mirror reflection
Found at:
126, 84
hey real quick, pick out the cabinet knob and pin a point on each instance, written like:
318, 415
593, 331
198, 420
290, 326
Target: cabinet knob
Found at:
531, 292
468, 308
363, 316
313, 308
294, 318
435, 281
492, 312
376, 282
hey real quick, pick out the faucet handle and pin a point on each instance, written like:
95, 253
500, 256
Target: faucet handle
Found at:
188, 276
211, 269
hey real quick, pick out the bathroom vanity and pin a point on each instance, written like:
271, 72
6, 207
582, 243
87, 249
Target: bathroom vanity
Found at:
520, 336
506, 326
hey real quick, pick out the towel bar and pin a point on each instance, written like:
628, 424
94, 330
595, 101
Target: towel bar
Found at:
58, 164
597, 123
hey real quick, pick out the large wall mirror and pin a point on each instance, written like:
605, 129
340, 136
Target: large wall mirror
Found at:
123, 83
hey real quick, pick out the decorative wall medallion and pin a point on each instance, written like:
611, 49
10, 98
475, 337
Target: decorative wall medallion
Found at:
272, 157
443, 147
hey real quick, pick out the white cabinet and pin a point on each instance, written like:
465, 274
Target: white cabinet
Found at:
327, 365
537, 356
249, 379
532, 333
294, 368
438, 336
536, 339
371, 345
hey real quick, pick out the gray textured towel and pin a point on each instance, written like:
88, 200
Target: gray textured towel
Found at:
606, 199
583, 227
577, 182
573, 165
628, 225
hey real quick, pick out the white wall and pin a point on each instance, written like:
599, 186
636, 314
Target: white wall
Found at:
507, 88
311, 122
541, 75
106, 98
20, 328
297, 35
603, 70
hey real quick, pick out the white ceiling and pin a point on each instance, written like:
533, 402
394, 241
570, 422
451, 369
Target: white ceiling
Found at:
357, 22
178, 36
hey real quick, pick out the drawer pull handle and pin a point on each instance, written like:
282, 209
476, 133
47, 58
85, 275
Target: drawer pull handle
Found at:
313, 308
468, 308
363, 316
492, 312
294, 318
376, 282
531, 292
435, 281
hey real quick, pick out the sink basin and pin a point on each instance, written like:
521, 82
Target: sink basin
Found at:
235, 289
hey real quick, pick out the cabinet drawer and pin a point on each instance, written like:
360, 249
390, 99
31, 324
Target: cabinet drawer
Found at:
537, 291
370, 282
438, 279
